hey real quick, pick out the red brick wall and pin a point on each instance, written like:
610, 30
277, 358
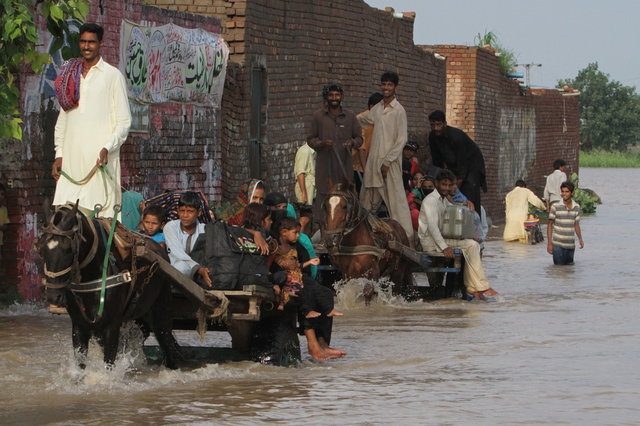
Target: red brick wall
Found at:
304, 44
520, 131
181, 151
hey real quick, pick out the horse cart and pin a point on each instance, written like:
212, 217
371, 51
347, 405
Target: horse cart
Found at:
258, 330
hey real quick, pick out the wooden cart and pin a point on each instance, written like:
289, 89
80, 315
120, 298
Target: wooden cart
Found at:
441, 276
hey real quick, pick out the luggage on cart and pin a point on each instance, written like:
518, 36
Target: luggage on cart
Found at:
458, 223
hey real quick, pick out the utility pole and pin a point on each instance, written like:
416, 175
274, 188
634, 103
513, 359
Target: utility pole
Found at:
526, 70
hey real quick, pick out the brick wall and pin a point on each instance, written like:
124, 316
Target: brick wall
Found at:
302, 45
181, 151
520, 131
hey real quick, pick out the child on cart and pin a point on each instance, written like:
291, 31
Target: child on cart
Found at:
153, 222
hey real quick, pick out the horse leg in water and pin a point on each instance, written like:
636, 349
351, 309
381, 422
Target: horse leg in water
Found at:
80, 337
160, 320
110, 339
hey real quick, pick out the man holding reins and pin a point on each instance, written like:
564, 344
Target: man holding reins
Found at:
93, 124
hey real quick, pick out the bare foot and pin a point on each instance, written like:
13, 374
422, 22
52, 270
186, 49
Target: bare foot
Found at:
478, 295
332, 352
317, 353
313, 314
490, 292
335, 313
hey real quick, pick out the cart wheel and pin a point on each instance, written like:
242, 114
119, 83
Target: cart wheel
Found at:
276, 343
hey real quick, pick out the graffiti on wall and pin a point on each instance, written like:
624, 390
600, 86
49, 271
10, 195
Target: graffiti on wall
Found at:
173, 64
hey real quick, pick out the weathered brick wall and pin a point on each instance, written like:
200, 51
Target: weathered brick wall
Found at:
303, 44
182, 149
519, 132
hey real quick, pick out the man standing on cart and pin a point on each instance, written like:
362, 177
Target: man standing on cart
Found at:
93, 124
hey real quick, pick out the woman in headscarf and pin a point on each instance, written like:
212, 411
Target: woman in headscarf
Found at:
251, 191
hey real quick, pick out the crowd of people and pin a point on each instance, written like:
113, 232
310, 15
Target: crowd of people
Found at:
370, 149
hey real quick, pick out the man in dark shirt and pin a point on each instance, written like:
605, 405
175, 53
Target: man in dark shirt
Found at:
333, 132
453, 148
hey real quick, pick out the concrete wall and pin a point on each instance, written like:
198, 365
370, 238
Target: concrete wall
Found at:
520, 131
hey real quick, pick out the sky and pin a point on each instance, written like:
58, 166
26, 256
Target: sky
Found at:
563, 35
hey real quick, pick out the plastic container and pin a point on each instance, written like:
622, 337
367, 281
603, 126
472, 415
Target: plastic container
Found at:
458, 223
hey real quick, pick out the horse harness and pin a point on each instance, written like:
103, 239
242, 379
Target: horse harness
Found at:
353, 220
119, 278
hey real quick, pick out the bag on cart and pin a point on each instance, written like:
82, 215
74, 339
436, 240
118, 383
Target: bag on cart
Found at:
232, 257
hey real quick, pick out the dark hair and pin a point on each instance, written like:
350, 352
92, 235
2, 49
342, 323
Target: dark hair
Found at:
569, 185
275, 198
521, 183
390, 76
375, 99
2, 188
154, 210
429, 178
558, 163
438, 115
254, 214
332, 86
289, 223
414, 175
445, 174
92, 28
190, 199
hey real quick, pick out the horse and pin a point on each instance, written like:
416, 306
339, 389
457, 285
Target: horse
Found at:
360, 250
73, 249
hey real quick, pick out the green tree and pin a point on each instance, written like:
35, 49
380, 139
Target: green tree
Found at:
508, 59
18, 41
609, 111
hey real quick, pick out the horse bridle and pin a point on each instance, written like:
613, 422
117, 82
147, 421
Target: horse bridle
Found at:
353, 212
75, 235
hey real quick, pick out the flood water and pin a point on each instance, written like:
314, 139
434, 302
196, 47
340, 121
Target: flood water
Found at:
558, 347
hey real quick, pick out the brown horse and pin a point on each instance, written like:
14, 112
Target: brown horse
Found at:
73, 250
358, 241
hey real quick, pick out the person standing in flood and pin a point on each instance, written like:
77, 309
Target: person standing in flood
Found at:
332, 133
552, 193
93, 124
564, 226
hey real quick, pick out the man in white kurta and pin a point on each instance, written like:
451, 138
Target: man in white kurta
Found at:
383, 171
517, 208
92, 133
431, 239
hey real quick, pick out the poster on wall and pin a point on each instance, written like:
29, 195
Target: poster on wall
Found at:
173, 64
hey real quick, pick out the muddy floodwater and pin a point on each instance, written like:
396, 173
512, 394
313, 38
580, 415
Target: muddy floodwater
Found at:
560, 346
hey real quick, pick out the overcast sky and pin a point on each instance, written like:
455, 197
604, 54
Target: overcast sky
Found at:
562, 35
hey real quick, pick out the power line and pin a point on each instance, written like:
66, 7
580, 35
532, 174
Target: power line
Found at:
526, 69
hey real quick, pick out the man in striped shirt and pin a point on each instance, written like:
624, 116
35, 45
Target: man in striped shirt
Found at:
564, 225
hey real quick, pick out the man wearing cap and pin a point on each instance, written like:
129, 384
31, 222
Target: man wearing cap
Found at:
453, 148
333, 132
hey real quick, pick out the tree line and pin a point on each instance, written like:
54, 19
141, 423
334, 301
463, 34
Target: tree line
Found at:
609, 111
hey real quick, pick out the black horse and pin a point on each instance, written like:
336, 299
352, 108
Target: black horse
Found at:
73, 250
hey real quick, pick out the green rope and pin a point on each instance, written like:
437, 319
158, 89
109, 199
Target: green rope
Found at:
103, 290
104, 172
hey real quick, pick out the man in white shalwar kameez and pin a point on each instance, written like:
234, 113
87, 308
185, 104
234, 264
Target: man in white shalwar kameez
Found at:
383, 171
517, 209
431, 239
92, 133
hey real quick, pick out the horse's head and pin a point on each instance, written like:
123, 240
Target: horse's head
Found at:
341, 211
58, 248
